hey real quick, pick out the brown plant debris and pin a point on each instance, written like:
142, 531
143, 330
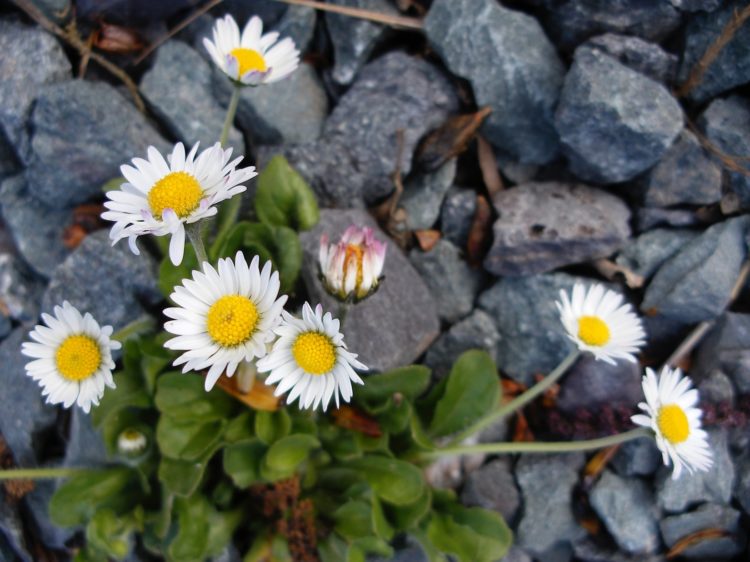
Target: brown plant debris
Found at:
693, 539
611, 271
449, 140
260, 397
427, 239
731, 162
117, 39
86, 219
597, 464
351, 418
371, 15
479, 233
17, 488
488, 166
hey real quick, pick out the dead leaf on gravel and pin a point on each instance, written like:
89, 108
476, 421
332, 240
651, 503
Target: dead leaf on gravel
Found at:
449, 140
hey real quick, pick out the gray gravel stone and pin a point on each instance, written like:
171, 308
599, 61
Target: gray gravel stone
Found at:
732, 65
716, 388
650, 250
639, 457
8, 164
108, 281
715, 485
476, 331
354, 39
453, 283
457, 215
613, 122
298, 23
353, 162
20, 291
542, 226
82, 133
512, 67
526, 318
727, 349
37, 505
424, 194
650, 218
591, 383
36, 229
644, 57
696, 283
592, 550
547, 483
31, 58
686, 175
85, 446
179, 88
726, 123
626, 506
401, 317
742, 488
12, 540
709, 516
493, 487
23, 412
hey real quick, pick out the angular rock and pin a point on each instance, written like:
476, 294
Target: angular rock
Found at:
401, 317
108, 281
526, 318
715, 485
179, 88
591, 383
626, 506
243, 10
23, 413
85, 446
8, 164
547, 483
726, 349
542, 226
709, 516
515, 554
37, 506
726, 123
20, 291
742, 489
353, 162
650, 250
644, 57
12, 540
297, 23
716, 388
31, 59
592, 550
639, 457
648, 219
696, 5
732, 65
82, 132
493, 487
453, 283
135, 12
696, 283
457, 215
686, 175
424, 194
476, 331
613, 122
354, 39
512, 67
37, 230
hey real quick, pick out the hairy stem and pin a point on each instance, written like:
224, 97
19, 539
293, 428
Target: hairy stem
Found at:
195, 236
231, 112
145, 323
39, 473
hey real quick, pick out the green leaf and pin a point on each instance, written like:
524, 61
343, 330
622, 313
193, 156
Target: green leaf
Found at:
191, 541
394, 481
272, 426
396, 418
185, 439
172, 275
405, 517
181, 477
129, 391
354, 519
268, 548
332, 549
240, 428
111, 535
472, 390
471, 534
242, 462
283, 198
360, 548
419, 435
380, 524
286, 454
408, 381
76, 501
183, 397
222, 525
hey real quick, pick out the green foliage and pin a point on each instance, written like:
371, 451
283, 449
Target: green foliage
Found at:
284, 198
470, 533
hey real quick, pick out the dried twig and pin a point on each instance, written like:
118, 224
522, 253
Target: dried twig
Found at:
395, 21
488, 165
730, 161
726, 35
693, 539
610, 270
71, 37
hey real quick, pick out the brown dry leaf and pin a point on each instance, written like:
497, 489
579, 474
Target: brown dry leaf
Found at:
73, 235
511, 388
488, 165
260, 396
479, 234
117, 39
522, 432
591, 524
597, 464
349, 418
549, 397
694, 538
427, 239
86, 219
449, 140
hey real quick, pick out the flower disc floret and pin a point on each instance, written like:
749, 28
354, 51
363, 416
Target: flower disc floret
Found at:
231, 320
314, 352
78, 357
673, 423
178, 191
593, 331
249, 60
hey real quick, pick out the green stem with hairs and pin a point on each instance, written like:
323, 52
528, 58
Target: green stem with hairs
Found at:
195, 236
140, 325
39, 473
229, 119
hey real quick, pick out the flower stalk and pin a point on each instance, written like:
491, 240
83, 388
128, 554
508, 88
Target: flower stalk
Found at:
231, 112
39, 473
194, 234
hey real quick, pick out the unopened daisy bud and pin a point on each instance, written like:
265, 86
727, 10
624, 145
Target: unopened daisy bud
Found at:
351, 269
131, 443
251, 58
72, 357
671, 411
600, 322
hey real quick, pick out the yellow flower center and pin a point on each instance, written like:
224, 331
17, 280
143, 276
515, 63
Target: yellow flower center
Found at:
354, 253
78, 357
314, 352
232, 320
249, 59
178, 191
593, 330
673, 423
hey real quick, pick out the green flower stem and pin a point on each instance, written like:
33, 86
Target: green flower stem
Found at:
39, 473
540, 447
519, 401
195, 236
140, 325
231, 112
343, 312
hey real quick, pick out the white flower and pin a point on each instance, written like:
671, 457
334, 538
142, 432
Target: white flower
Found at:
131, 442
251, 58
72, 357
671, 412
351, 269
600, 322
311, 359
225, 316
159, 197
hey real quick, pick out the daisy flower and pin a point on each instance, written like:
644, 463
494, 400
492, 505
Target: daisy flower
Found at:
351, 269
670, 410
160, 196
311, 359
72, 357
225, 316
600, 322
251, 58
